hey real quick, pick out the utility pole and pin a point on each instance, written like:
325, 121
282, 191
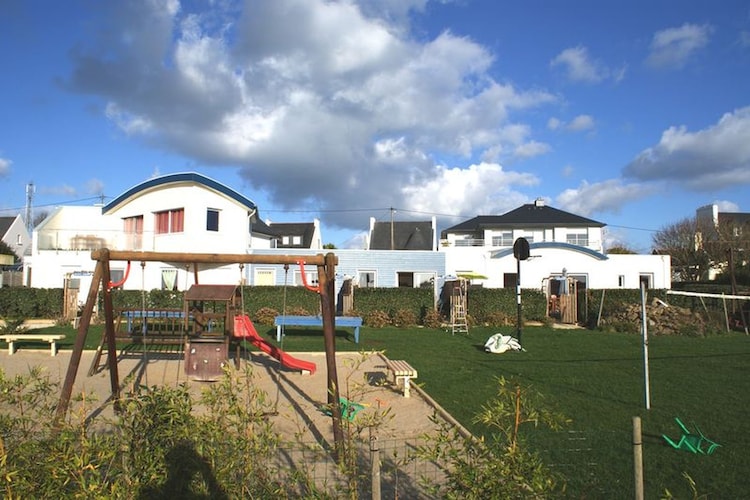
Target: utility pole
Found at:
392, 243
29, 207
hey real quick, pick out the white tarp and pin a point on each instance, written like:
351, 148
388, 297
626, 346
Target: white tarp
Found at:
499, 343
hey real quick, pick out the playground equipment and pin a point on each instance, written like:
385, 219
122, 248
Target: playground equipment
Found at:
694, 442
458, 306
244, 328
326, 265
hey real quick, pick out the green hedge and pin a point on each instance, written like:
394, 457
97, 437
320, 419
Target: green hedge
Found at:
21, 302
484, 304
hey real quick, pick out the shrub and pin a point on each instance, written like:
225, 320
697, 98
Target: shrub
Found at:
499, 318
265, 316
404, 318
432, 319
377, 319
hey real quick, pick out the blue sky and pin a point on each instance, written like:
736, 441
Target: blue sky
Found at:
633, 113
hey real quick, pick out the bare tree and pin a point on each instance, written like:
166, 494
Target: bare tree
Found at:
681, 240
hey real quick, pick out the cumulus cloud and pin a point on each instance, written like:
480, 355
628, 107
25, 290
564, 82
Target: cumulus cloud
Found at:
579, 67
310, 118
713, 158
673, 47
580, 123
483, 188
601, 197
5, 167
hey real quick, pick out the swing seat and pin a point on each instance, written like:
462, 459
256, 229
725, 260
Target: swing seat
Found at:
694, 442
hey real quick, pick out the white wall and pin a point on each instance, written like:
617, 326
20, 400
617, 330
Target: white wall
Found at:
545, 262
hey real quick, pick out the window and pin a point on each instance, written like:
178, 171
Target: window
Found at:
169, 279
291, 240
264, 277
621, 280
311, 278
19, 240
580, 239
416, 280
366, 279
169, 221
503, 240
133, 228
647, 279
212, 220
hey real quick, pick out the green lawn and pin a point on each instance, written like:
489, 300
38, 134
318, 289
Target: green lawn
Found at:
597, 380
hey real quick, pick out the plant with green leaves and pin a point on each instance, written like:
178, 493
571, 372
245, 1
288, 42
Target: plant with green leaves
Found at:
500, 466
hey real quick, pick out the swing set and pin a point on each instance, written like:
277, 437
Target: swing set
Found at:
238, 326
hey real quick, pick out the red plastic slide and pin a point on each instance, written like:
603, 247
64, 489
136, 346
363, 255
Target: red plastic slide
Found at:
244, 328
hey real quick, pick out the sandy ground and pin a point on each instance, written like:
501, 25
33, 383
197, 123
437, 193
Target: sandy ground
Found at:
296, 398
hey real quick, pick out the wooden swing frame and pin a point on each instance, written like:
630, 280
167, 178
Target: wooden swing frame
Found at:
326, 265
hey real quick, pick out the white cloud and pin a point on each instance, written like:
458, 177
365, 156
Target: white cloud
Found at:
713, 158
531, 149
309, 117
581, 68
5, 167
483, 188
578, 124
606, 196
673, 47
727, 206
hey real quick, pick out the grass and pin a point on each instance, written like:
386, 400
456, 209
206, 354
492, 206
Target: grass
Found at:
597, 380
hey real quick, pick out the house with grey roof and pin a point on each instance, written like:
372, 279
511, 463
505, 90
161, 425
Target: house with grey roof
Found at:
402, 235
560, 244
14, 233
297, 234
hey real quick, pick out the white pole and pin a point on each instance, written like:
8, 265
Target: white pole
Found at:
644, 329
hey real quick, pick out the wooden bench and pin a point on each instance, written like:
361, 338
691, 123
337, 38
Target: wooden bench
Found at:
345, 321
11, 339
402, 371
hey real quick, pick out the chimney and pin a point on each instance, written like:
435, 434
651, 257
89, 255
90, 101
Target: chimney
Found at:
539, 202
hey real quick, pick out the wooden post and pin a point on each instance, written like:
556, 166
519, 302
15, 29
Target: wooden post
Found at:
375, 469
638, 458
109, 332
326, 282
75, 357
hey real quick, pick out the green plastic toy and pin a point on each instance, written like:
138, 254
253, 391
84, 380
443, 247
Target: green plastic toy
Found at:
694, 442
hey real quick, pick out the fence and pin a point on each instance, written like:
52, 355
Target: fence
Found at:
375, 468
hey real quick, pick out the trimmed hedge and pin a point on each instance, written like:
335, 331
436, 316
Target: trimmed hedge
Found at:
21, 302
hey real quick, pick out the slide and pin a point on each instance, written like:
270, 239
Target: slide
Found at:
244, 328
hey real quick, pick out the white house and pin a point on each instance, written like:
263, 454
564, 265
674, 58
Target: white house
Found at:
14, 233
560, 244
184, 212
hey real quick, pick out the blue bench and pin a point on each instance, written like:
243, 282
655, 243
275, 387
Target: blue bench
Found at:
346, 321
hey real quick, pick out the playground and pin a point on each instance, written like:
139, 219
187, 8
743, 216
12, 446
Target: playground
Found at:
298, 401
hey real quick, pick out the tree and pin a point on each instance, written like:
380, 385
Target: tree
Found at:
621, 249
329, 246
5, 249
680, 240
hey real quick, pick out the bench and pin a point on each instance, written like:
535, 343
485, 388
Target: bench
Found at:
345, 321
403, 371
11, 339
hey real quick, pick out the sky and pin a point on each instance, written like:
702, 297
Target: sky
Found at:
630, 112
